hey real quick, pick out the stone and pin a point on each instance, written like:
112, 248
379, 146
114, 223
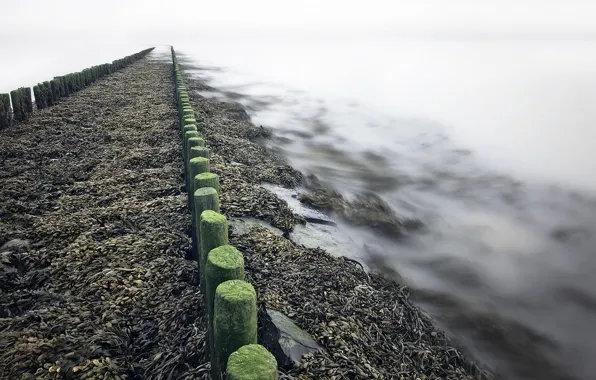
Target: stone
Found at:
286, 341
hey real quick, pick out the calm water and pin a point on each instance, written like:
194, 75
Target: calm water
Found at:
489, 143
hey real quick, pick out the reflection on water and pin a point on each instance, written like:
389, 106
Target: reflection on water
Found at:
507, 259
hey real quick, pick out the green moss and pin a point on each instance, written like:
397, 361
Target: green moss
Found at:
207, 180
223, 263
226, 258
212, 217
204, 199
188, 134
213, 233
236, 291
191, 143
189, 120
205, 191
199, 151
234, 322
252, 362
196, 166
189, 128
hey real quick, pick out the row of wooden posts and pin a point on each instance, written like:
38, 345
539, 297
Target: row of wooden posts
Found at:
48, 93
231, 303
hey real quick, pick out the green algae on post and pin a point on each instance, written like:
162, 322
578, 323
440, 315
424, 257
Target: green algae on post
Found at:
189, 134
189, 120
252, 362
191, 142
198, 151
188, 112
196, 166
205, 198
189, 127
207, 180
18, 113
48, 93
213, 233
55, 91
223, 263
234, 322
27, 100
38, 97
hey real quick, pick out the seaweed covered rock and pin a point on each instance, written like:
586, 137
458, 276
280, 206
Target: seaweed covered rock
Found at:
366, 209
282, 337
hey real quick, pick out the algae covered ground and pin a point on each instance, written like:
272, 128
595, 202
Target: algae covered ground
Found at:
99, 287
94, 280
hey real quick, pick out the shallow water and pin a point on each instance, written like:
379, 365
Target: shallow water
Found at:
489, 143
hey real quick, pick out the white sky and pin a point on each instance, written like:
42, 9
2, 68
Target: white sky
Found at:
186, 16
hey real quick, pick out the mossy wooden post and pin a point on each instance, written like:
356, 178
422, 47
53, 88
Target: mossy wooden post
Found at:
196, 166
55, 90
181, 107
5, 110
183, 99
28, 100
18, 113
38, 97
223, 263
48, 93
213, 233
207, 180
205, 198
187, 121
198, 151
234, 322
182, 104
188, 112
192, 141
189, 131
252, 362
67, 89
60, 86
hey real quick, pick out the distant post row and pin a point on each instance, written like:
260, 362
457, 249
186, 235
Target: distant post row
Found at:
48, 93
231, 303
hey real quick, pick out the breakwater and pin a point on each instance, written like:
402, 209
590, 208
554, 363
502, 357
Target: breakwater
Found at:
231, 302
17, 106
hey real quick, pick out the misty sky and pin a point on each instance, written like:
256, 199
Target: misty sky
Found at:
29, 17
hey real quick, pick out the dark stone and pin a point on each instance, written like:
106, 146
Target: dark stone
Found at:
286, 341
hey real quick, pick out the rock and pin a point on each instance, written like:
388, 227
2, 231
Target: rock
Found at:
286, 341
15, 244
291, 197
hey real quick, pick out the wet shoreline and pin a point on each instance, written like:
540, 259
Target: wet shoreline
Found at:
99, 286
319, 290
